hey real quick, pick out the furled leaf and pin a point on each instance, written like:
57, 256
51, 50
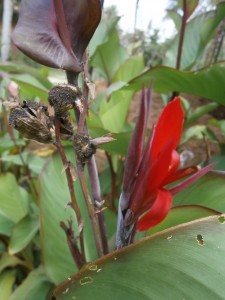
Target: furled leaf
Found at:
183, 262
61, 36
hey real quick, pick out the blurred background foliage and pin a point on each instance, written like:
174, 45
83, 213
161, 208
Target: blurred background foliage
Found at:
34, 255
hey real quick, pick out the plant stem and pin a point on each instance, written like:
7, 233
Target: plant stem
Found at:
182, 33
113, 179
181, 40
90, 208
78, 258
98, 231
70, 186
96, 193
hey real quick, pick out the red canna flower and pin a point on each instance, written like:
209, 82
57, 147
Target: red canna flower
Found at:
145, 200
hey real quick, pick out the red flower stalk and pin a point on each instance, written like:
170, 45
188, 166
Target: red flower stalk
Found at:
145, 201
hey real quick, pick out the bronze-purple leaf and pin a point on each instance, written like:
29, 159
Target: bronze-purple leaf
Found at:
56, 33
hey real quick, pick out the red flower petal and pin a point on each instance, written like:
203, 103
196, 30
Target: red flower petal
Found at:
180, 174
158, 211
190, 180
160, 168
169, 126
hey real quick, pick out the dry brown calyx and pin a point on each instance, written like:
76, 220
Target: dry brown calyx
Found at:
32, 120
63, 97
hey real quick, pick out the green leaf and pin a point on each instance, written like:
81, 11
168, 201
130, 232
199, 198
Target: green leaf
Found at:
109, 56
102, 34
113, 114
207, 82
198, 33
14, 199
30, 86
34, 162
196, 132
6, 225
207, 191
129, 68
183, 214
24, 69
7, 280
36, 286
8, 261
54, 197
183, 262
23, 233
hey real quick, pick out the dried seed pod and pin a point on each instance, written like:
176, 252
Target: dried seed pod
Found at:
32, 121
63, 97
83, 147
66, 127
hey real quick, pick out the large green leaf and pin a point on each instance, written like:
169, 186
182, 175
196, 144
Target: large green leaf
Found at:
113, 114
9, 261
36, 286
129, 69
23, 233
30, 86
54, 198
14, 199
7, 280
184, 262
109, 56
207, 191
6, 225
34, 162
198, 33
102, 34
23, 69
207, 82
182, 214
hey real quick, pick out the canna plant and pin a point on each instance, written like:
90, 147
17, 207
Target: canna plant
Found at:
59, 40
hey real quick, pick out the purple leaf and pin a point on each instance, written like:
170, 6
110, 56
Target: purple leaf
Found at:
136, 146
56, 33
190, 180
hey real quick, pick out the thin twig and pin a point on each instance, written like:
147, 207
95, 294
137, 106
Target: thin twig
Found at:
96, 193
181, 40
90, 207
113, 179
70, 185
98, 231
78, 258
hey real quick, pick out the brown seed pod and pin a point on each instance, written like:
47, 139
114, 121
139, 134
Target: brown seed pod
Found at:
63, 97
32, 121
83, 147
66, 127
